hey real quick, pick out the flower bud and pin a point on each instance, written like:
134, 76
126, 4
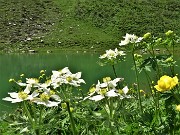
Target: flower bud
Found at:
71, 109
42, 71
159, 40
147, 35
178, 107
168, 60
11, 80
22, 75
63, 105
169, 33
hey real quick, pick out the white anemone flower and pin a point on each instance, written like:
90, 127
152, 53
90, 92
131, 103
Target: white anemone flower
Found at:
112, 54
22, 95
123, 93
45, 85
74, 79
105, 89
32, 81
130, 38
57, 82
60, 73
103, 94
45, 98
29, 81
109, 84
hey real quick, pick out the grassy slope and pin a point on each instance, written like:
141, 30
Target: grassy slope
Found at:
72, 33
23, 23
132, 16
81, 24
48, 25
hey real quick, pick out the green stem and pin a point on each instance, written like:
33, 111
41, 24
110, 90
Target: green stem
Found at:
175, 96
110, 114
29, 117
114, 71
71, 119
115, 75
173, 58
40, 119
157, 108
137, 81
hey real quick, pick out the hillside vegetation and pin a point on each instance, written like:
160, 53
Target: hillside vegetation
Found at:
133, 16
82, 24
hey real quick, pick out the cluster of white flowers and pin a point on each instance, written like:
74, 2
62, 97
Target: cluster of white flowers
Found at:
107, 89
64, 76
130, 38
112, 54
45, 93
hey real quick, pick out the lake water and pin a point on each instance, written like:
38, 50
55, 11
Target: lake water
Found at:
13, 65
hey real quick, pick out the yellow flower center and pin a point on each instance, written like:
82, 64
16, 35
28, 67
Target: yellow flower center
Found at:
91, 90
69, 79
120, 91
106, 79
103, 91
52, 92
44, 97
111, 54
22, 95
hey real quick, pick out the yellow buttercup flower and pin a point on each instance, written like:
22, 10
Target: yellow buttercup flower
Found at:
166, 83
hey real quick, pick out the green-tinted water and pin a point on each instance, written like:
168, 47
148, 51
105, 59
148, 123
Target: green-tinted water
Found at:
11, 66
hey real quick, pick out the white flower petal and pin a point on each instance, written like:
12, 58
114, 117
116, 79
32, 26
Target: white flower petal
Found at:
21, 84
56, 97
28, 88
51, 103
103, 85
12, 99
33, 95
125, 90
97, 97
78, 75
111, 93
13, 94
